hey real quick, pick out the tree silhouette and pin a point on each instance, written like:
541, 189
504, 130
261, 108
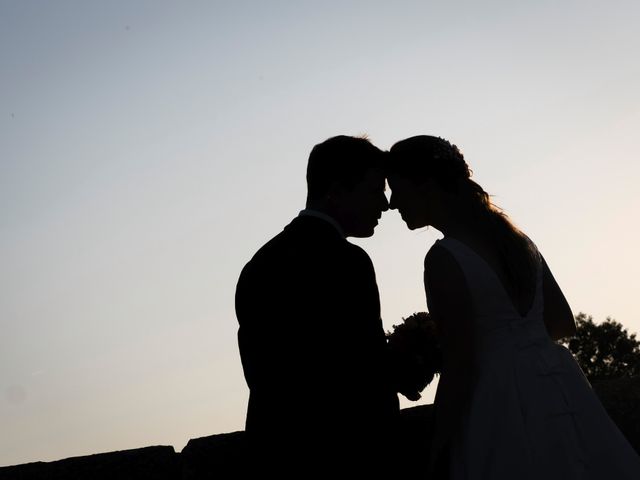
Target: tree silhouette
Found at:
604, 350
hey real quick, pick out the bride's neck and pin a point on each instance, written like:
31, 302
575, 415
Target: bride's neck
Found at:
459, 223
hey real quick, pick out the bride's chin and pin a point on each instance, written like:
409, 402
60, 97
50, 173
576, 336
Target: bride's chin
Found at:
415, 226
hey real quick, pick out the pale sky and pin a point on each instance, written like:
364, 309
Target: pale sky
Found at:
149, 148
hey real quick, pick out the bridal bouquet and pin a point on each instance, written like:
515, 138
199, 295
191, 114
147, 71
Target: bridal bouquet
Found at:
415, 354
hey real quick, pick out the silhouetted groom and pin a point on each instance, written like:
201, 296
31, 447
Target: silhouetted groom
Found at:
311, 339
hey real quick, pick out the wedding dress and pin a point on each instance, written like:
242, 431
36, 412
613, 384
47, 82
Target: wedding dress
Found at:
533, 414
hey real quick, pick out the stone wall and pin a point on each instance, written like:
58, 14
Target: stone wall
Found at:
220, 455
153, 463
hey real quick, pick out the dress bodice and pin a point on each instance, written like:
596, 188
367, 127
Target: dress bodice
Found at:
496, 319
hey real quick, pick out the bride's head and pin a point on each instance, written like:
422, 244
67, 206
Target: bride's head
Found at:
430, 179
431, 185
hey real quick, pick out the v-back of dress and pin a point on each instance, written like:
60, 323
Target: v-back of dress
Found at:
533, 414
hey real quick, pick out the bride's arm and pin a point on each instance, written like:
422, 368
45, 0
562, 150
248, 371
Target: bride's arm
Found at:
558, 317
449, 302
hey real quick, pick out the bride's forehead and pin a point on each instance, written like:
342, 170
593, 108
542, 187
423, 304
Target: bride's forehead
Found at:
398, 181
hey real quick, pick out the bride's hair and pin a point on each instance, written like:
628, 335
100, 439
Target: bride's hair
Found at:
422, 157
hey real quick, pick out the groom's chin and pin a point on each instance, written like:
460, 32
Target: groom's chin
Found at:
365, 231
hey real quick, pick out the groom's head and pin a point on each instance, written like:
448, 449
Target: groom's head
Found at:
345, 179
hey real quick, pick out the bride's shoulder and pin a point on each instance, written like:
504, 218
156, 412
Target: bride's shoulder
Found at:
439, 251
440, 259
444, 279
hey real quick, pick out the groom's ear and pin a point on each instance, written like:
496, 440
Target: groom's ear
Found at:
335, 192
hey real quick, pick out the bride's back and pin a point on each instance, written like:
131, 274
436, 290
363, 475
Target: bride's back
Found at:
506, 255
494, 310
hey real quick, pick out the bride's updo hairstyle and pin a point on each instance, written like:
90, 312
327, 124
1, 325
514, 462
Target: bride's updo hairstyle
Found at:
424, 157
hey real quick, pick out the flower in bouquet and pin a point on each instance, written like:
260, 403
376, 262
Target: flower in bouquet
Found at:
415, 354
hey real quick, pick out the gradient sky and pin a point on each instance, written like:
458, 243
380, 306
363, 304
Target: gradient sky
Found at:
149, 148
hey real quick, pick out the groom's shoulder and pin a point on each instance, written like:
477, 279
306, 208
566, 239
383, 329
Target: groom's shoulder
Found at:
293, 239
272, 248
309, 240
357, 251
357, 255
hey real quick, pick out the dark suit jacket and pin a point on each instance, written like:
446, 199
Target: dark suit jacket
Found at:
313, 347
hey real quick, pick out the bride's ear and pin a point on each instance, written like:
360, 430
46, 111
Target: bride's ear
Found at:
432, 190
427, 186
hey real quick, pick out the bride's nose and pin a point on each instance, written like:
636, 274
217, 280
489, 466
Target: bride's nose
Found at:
385, 203
392, 205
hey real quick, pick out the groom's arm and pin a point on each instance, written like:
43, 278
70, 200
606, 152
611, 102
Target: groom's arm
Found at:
265, 328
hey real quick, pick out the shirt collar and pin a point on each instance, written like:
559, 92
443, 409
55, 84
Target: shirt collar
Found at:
309, 212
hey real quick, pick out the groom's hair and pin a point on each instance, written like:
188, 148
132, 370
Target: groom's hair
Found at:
340, 161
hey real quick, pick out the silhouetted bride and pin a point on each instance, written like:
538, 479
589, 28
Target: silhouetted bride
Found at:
511, 403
